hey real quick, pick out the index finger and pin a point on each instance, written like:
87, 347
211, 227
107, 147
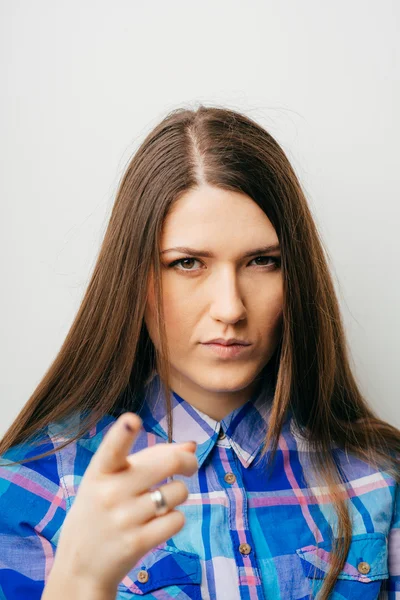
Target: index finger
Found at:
111, 455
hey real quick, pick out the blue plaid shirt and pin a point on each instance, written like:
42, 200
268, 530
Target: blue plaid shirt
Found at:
247, 535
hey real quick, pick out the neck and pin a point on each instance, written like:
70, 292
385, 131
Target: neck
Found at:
216, 405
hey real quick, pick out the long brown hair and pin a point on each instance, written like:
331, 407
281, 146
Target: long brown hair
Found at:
107, 355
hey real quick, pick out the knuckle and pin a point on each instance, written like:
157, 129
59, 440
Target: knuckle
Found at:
113, 453
174, 462
107, 497
121, 519
179, 519
180, 460
182, 490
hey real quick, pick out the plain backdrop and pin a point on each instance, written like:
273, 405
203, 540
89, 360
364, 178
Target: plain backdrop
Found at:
83, 82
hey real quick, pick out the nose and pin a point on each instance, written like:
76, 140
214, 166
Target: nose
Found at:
227, 301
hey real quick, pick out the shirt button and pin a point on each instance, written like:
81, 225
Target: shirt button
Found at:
245, 548
143, 576
230, 478
221, 434
363, 567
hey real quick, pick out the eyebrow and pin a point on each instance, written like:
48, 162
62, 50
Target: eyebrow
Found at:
206, 254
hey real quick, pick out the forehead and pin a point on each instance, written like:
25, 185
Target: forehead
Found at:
221, 217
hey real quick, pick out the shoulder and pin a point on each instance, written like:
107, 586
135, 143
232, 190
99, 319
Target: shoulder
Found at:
53, 479
28, 490
37, 477
373, 493
45, 478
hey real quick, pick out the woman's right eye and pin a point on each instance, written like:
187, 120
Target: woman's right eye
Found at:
182, 262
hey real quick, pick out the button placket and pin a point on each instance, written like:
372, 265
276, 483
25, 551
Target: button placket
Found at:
248, 570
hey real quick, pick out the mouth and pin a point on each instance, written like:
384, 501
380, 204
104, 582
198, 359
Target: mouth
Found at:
227, 351
228, 341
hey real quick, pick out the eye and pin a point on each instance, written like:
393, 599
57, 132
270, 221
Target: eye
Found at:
182, 261
275, 259
189, 261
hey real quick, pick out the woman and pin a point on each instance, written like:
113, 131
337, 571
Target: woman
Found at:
210, 316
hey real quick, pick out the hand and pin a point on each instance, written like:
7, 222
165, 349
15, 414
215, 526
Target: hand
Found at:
112, 522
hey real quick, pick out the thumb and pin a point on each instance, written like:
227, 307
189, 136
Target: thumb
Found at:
111, 455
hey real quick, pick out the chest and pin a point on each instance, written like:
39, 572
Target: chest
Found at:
250, 534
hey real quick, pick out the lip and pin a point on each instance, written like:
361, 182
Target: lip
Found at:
229, 342
227, 351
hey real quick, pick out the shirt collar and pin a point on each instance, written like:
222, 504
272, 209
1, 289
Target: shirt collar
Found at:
245, 427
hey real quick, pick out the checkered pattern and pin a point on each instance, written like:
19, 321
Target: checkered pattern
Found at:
249, 534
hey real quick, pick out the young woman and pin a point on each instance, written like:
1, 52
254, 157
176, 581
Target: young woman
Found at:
211, 318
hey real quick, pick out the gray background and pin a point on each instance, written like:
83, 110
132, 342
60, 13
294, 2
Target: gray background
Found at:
84, 81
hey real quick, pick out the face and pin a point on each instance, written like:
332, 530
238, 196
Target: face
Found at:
236, 291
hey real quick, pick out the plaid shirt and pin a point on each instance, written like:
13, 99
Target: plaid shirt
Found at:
247, 535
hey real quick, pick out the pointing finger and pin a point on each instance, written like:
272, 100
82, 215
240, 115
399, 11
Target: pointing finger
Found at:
111, 455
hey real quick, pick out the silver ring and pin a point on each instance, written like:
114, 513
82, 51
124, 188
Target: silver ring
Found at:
160, 502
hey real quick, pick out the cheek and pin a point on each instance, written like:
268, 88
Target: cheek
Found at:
271, 312
270, 299
277, 309
178, 317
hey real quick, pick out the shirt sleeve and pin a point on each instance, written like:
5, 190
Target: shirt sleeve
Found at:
32, 510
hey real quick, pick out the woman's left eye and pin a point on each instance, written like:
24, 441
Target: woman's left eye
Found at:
184, 261
273, 258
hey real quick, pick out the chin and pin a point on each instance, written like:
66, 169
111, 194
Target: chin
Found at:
227, 380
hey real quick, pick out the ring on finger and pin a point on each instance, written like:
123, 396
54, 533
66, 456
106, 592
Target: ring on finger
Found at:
160, 502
